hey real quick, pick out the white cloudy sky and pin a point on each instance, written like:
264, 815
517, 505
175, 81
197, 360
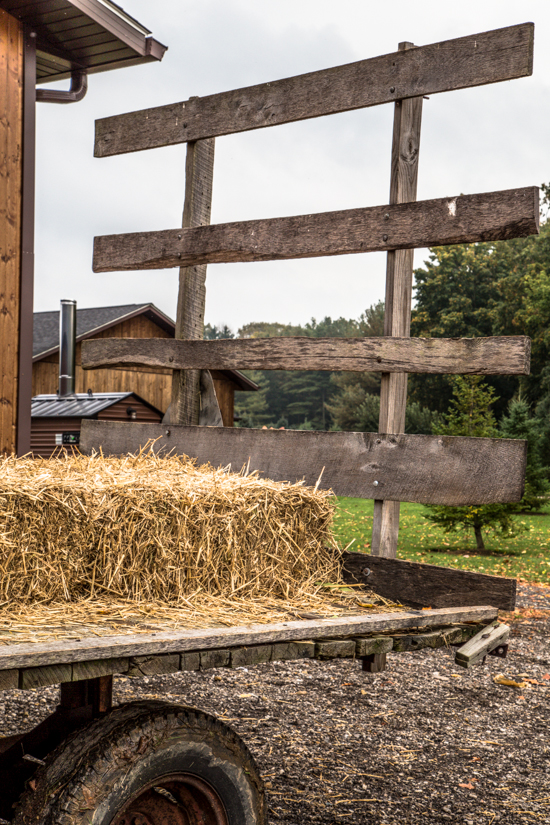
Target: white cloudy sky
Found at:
477, 140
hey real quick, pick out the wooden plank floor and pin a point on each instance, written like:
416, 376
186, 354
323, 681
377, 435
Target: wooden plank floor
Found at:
31, 665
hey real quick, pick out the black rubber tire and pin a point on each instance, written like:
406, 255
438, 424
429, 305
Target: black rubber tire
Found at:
89, 778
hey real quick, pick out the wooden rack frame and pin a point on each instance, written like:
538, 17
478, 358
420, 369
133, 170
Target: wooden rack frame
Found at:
389, 466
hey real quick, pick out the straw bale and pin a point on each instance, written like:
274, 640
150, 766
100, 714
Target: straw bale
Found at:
153, 529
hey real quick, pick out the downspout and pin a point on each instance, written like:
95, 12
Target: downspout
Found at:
77, 91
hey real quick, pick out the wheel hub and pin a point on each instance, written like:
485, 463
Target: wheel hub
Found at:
177, 799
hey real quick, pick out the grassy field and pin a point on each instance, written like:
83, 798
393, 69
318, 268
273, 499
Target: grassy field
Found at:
527, 556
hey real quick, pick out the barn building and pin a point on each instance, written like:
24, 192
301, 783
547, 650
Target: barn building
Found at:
152, 385
56, 421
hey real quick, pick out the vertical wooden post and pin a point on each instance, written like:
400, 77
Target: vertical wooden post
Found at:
397, 319
199, 173
26, 318
11, 125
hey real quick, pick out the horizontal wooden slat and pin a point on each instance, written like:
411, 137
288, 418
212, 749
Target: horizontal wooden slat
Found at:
477, 356
427, 585
421, 468
466, 219
144, 644
475, 60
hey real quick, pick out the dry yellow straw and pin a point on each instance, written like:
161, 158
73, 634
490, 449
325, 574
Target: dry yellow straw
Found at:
157, 529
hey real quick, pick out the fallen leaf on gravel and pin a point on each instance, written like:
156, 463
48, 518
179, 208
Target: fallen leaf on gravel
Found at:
466, 785
500, 679
546, 676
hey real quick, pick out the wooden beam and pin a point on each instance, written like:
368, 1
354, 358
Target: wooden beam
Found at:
407, 121
143, 644
421, 468
199, 173
11, 135
427, 585
465, 219
475, 60
481, 644
457, 356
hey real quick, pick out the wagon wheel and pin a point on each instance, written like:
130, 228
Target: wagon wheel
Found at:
147, 763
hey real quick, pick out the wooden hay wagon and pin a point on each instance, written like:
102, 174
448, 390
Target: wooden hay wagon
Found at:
149, 763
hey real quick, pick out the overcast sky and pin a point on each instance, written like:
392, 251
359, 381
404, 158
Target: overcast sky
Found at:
477, 140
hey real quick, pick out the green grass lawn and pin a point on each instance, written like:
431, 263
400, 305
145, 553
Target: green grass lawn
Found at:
527, 556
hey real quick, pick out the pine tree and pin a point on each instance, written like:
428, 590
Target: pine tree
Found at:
470, 414
519, 424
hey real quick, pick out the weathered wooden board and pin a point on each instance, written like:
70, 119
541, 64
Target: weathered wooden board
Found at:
408, 642
421, 468
490, 216
215, 639
199, 174
475, 60
407, 121
481, 644
375, 645
426, 585
335, 649
476, 356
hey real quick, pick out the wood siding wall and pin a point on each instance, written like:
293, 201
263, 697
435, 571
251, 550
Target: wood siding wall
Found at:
11, 122
153, 385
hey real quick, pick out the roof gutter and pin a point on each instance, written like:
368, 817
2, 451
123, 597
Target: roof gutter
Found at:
77, 91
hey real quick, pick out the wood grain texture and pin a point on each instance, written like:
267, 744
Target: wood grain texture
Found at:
373, 645
11, 75
288, 651
199, 173
427, 585
153, 665
335, 649
481, 644
475, 60
478, 356
420, 468
407, 122
96, 669
490, 216
409, 642
9, 679
248, 656
212, 639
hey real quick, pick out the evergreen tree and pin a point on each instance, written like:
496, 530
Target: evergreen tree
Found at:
519, 424
213, 332
470, 414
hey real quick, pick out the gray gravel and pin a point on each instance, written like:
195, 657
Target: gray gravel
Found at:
423, 742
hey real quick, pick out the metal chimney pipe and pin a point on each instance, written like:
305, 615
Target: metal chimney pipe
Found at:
67, 348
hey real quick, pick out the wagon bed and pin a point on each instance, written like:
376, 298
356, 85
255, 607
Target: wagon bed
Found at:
31, 665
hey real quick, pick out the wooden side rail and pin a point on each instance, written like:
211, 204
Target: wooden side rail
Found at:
427, 469
475, 60
458, 356
490, 216
428, 585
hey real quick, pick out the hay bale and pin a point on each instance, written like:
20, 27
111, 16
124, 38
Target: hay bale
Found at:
149, 528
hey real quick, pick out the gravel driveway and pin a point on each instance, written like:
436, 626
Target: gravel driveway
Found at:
423, 742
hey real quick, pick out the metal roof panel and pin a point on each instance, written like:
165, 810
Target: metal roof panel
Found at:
60, 24
81, 405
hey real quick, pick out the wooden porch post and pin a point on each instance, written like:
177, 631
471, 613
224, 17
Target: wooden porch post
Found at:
11, 161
